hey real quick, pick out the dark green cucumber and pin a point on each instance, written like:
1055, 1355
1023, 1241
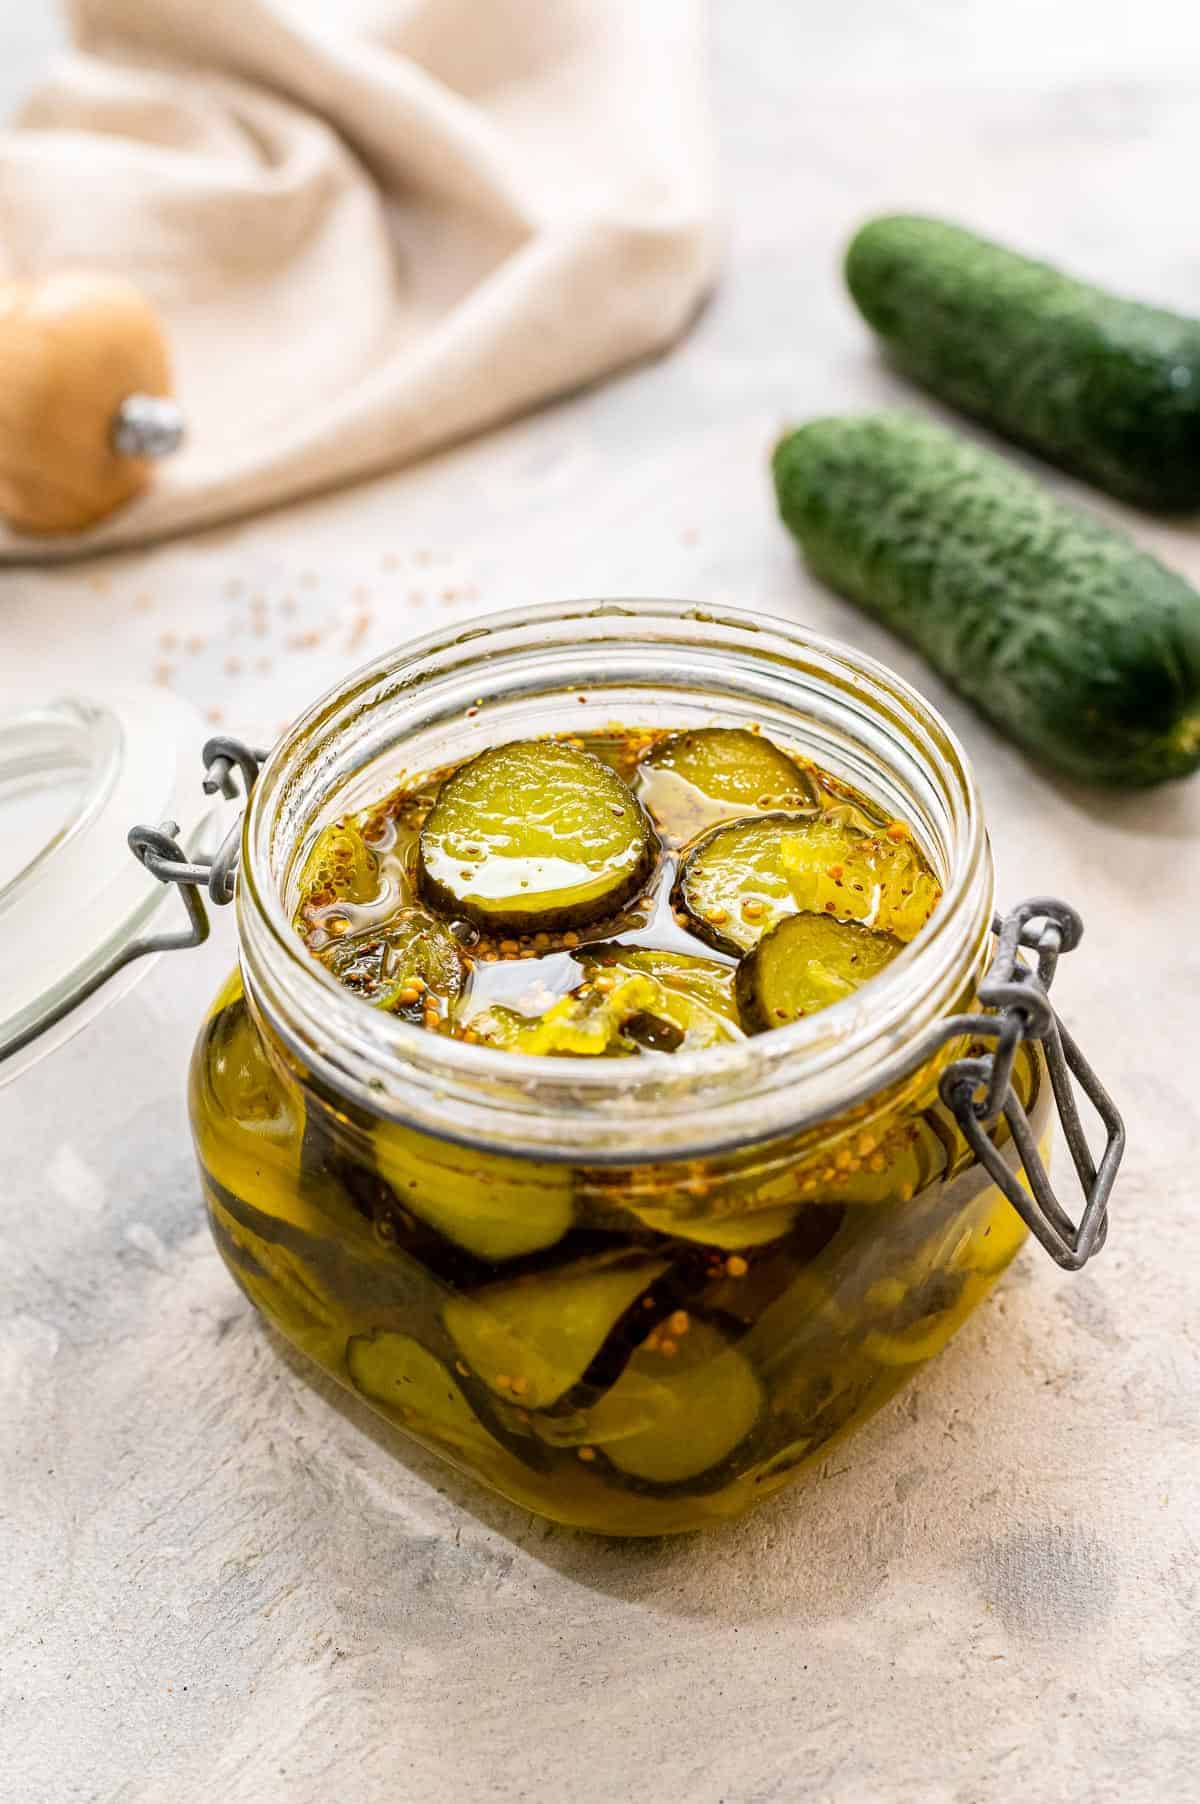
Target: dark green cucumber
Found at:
1106, 387
1075, 643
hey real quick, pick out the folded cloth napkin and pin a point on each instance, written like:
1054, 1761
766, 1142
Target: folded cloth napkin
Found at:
372, 226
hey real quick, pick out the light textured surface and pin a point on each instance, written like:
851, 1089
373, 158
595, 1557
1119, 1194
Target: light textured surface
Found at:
222, 1581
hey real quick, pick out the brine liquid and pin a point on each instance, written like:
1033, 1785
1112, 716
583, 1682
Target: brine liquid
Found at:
670, 965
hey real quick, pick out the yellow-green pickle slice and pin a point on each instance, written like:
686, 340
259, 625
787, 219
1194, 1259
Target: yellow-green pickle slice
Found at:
637, 1003
492, 1206
576, 1026
399, 965
729, 1234
405, 1382
668, 1420
732, 886
741, 880
692, 780
877, 878
530, 1339
250, 1126
340, 868
534, 836
804, 965
701, 980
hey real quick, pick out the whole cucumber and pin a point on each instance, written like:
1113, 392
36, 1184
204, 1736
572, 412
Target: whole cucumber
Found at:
1108, 388
1075, 643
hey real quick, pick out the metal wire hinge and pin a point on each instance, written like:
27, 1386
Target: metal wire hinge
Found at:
979, 1090
158, 849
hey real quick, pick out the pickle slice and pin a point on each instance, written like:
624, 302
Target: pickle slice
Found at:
340, 868
397, 966
699, 980
407, 1384
805, 964
665, 1421
728, 1233
741, 880
536, 835
249, 1122
576, 1026
867, 1168
491, 1205
637, 1014
913, 1346
879, 879
695, 779
530, 1339
924, 1318
693, 1006
680, 1203
732, 886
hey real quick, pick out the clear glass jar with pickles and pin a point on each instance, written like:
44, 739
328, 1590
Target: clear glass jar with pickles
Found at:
581, 1098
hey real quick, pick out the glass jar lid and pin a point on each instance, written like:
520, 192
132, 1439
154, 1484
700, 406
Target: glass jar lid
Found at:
74, 774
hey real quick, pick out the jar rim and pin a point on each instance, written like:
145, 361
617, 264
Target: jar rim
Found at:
562, 1108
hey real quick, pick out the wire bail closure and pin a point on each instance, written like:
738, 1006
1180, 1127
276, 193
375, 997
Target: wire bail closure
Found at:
158, 850
1022, 1011
977, 1090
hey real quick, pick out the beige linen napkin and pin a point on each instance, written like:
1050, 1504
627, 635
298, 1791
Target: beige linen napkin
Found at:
372, 226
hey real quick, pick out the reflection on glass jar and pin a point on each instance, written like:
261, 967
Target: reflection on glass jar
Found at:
639, 1298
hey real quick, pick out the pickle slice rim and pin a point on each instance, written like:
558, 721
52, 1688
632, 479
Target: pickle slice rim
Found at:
620, 876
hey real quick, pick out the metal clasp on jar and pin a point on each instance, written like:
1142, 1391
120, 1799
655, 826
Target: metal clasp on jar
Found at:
979, 1090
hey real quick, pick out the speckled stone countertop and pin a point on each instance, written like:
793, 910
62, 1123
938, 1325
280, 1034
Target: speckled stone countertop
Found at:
222, 1580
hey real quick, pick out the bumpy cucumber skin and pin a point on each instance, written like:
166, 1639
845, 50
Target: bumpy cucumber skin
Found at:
1108, 388
1072, 641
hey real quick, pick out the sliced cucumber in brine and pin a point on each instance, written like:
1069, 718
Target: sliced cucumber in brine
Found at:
743, 879
530, 1339
341, 867
576, 1026
805, 964
695, 779
693, 1006
668, 1420
679, 1202
924, 1318
399, 965
700, 980
732, 886
491, 1205
407, 1384
534, 836
728, 1233
877, 878
249, 1122
616, 1013
868, 1169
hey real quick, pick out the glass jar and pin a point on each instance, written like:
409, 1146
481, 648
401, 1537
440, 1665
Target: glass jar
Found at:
632, 1295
